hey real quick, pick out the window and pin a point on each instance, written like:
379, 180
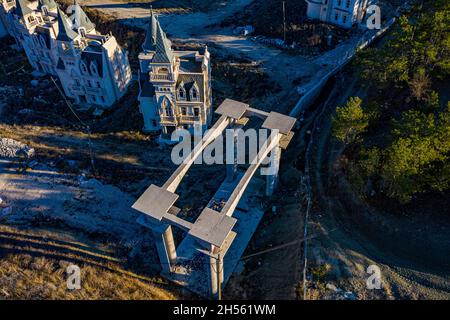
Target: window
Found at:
94, 98
82, 32
45, 10
83, 67
194, 92
93, 68
183, 111
168, 111
196, 112
347, 4
339, 3
89, 83
181, 93
344, 19
77, 82
103, 99
99, 85
154, 123
336, 17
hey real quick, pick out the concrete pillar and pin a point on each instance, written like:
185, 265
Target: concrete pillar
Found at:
215, 272
165, 245
232, 166
272, 178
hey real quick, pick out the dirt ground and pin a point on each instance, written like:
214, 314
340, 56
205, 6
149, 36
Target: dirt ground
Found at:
348, 235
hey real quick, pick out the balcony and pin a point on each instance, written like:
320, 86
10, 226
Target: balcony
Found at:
160, 77
168, 120
190, 119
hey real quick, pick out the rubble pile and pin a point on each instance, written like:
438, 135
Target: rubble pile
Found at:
10, 148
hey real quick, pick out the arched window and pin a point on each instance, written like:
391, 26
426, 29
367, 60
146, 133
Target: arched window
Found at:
45, 10
82, 32
41, 39
83, 68
195, 93
181, 92
94, 69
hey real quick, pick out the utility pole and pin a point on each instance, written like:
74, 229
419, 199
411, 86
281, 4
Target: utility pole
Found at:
284, 21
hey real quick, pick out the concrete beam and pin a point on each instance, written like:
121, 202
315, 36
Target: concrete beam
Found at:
176, 178
230, 206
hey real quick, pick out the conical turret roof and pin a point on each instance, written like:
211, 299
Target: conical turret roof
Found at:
150, 37
164, 52
22, 8
65, 32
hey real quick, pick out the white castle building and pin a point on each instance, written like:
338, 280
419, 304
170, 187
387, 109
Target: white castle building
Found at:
175, 86
344, 13
92, 68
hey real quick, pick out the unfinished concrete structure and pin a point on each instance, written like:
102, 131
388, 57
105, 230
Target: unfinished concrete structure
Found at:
216, 230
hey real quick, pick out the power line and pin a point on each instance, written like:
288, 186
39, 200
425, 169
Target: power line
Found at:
87, 127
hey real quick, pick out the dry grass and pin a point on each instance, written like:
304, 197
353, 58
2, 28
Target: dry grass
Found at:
33, 266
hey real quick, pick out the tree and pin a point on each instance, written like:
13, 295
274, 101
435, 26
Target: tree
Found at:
418, 160
350, 121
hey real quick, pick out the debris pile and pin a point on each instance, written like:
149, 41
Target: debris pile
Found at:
10, 148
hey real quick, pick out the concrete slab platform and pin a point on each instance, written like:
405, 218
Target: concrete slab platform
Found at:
281, 122
155, 202
212, 227
192, 267
233, 109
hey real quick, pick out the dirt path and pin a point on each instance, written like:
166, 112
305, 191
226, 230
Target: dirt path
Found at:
351, 236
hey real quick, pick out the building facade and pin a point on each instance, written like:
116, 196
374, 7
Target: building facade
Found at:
175, 86
93, 69
344, 13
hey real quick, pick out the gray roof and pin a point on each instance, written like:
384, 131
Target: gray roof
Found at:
85, 22
188, 80
150, 36
65, 33
190, 65
22, 8
164, 52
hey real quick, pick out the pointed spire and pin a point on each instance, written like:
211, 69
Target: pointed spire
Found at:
65, 33
150, 37
163, 46
22, 8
